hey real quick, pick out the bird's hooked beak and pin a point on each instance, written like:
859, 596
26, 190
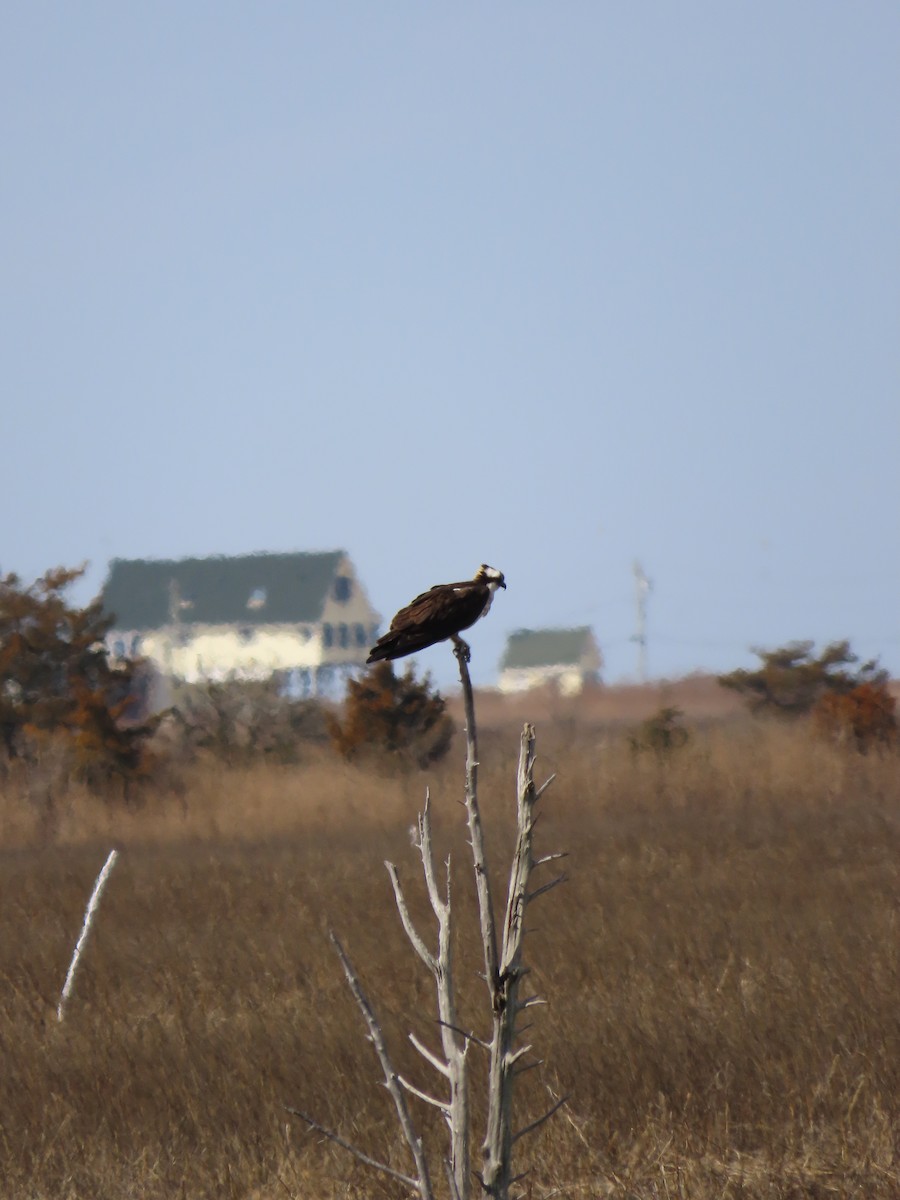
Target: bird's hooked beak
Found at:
503, 584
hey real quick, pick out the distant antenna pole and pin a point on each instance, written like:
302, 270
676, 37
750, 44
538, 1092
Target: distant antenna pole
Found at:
175, 606
643, 588
174, 602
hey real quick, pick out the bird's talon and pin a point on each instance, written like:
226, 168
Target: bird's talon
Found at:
462, 650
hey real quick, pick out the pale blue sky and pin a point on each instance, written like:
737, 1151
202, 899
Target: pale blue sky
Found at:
553, 286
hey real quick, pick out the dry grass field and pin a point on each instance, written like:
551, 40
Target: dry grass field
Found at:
722, 972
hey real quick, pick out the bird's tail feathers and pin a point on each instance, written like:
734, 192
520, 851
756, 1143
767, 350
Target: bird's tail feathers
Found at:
397, 645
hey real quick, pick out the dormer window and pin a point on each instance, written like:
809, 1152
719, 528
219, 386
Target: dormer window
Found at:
179, 602
342, 589
257, 599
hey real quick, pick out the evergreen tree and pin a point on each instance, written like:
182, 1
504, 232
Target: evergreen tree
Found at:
791, 679
398, 716
56, 680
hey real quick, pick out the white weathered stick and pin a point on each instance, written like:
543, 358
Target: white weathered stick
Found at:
85, 930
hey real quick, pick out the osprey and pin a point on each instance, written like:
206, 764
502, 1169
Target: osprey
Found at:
441, 612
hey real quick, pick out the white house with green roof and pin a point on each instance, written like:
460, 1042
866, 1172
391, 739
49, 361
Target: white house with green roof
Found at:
567, 658
247, 617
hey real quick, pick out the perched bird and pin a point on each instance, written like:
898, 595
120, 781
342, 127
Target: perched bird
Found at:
441, 612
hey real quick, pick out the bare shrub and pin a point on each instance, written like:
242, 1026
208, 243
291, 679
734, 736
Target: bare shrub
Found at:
242, 721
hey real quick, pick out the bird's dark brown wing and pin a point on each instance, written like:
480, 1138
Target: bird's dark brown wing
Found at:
442, 601
433, 616
445, 601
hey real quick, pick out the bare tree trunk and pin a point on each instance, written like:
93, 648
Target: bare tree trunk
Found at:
503, 973
506, 1003
476, 833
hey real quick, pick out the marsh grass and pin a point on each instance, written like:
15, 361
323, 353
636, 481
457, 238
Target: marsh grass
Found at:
722, 971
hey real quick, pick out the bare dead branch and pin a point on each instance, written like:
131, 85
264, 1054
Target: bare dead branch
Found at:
540, 791
99, 885
455, 1050
414, 1091
538, 1062
513, 1058
469, 1037
546, 887
423, 1182
540, 1121
439, 906
411, 932
354, 1150
530, 1002
437, 1063
539, 862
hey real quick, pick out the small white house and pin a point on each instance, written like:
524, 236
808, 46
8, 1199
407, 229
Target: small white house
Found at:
306, 616
568, 658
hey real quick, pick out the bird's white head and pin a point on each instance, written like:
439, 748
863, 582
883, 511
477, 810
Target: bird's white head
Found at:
491, 576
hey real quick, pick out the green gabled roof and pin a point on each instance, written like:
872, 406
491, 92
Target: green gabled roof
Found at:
546, 647
141, 593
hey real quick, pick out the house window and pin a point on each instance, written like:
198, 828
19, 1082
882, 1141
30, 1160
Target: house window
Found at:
257, 598
327, 635
343, 636
360, 634
119, 648
136, 644
342, 589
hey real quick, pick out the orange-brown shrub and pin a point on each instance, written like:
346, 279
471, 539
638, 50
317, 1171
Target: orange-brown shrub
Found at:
791, 679
398, 716
58, 684
864, 715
